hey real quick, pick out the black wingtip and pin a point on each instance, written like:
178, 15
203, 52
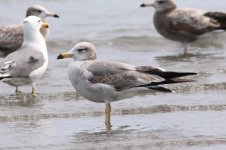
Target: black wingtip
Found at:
220, 17
60, 57
187, 74
191, 73
173, 75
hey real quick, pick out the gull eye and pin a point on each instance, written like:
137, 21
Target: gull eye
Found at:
39, 11
81, 50
25, 22
39, 20
161, 2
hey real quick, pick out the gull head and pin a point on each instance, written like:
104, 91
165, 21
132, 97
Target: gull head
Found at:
161, 5
40, 11
80, 52
33, 23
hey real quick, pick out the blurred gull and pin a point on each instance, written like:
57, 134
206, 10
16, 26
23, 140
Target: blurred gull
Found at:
105, 82
11, 37
184, 24
28, 63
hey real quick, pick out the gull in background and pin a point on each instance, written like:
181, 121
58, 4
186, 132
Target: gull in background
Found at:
11, 36
106, 82
28, 63
184, 24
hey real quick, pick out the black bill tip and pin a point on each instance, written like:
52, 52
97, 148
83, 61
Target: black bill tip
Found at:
142, 5
56, 16
60, 57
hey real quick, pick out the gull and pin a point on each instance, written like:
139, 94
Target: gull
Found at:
11, 36
28, 63
106, 82
184, 25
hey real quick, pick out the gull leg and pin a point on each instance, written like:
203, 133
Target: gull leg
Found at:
185, 50
185, 46
17, 91
108, 116
33, 91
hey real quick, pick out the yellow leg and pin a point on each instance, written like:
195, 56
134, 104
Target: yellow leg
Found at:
108, 117
33, 92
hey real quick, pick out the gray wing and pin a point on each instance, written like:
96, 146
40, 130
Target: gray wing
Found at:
120, 76
11, 39
21, 63
192, 21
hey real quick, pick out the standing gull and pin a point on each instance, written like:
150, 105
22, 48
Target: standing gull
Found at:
28, 63
184, 24
106, 82
11, 37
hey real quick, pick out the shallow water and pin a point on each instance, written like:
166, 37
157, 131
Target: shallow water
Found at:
193, 118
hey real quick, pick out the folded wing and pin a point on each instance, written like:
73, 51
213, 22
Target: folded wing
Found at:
21, 65
120, 76
192, 21
11, 38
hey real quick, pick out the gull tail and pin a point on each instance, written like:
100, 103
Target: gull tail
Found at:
5, 69
220, 17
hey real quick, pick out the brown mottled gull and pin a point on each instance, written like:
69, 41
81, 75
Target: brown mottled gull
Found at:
11, 37
184, 24
106, 82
